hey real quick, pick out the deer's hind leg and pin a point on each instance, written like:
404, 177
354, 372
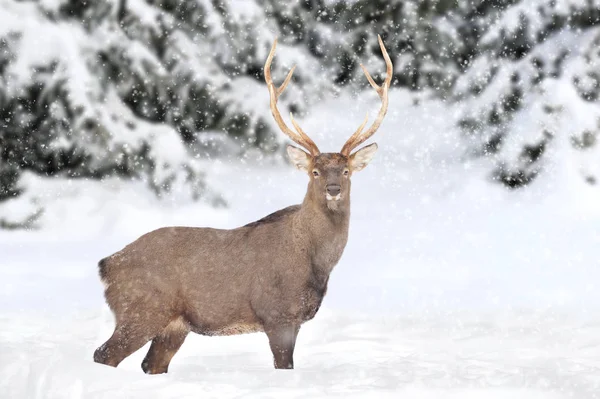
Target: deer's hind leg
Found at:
133, 330
165, 346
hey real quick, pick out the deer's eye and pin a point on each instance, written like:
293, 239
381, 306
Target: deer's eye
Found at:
315, 173
346, 172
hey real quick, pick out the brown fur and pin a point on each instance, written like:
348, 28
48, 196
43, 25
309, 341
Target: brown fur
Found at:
270, 275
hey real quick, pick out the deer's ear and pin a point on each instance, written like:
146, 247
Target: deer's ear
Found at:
299, 158
362, 157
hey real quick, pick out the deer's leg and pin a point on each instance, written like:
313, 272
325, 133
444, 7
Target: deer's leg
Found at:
282, 340
164, 347
131, 333
124, 341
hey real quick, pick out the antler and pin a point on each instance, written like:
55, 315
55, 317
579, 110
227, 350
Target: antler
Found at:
297, 136
359, 136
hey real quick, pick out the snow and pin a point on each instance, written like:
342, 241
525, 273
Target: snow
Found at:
551, 107
535, 11
38, 41
522, 356
450, 286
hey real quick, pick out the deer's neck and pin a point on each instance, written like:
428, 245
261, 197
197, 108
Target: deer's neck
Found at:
326, 232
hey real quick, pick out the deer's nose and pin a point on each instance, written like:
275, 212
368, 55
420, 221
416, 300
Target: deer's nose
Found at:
333, 189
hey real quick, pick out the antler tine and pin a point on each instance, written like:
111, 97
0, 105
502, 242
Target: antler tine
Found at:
303, 135
356, 134
370, 79
298, 136
359, 136
286, 81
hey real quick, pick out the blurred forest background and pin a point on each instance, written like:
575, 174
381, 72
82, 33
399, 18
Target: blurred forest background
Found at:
150, 90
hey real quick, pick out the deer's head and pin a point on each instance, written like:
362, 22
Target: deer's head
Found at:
330, 173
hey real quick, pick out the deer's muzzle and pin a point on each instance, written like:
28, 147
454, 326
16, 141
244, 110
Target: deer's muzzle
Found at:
333, 189
334, 192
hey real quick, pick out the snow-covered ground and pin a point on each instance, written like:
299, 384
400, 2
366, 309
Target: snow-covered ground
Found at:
450, 286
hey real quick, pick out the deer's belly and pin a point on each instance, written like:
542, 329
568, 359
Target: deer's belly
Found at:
236, 329
223, 318
233, 328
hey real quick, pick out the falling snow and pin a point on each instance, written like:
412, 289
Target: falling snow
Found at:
472, 266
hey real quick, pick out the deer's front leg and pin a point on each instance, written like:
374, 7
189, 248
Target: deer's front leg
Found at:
282, 339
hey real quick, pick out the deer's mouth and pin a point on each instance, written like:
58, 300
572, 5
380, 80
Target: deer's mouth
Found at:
333, 197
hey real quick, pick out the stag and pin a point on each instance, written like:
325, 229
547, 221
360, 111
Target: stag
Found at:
270, 275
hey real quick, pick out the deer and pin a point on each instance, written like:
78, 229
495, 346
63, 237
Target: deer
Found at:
268, 276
